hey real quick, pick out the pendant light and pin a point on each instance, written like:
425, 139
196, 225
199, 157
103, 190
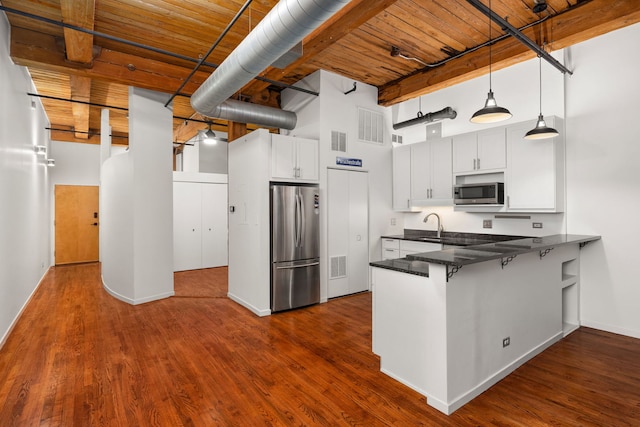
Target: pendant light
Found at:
209, 136
491, 112
541, 131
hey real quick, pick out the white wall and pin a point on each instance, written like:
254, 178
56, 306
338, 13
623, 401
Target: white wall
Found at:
137, 213
24, 207
603, 182
333, 110
601, 121
516, 88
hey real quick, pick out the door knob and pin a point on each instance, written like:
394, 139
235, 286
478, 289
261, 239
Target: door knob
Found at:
95, 224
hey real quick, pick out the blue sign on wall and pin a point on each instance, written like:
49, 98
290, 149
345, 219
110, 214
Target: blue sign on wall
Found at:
345, 161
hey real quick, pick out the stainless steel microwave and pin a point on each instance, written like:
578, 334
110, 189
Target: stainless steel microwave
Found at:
491, 193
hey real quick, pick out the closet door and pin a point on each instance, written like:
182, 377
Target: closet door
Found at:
214, 225
348, 232
187, 226
358, 265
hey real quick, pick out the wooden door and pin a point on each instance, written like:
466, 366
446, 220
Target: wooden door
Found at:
76, 224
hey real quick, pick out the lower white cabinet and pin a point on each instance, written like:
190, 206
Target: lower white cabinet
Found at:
199, 225
390, 248
398, 248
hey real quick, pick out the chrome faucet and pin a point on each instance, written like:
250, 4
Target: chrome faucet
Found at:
426, 218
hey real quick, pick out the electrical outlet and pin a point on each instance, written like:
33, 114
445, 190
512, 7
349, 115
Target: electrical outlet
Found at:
536, 224
393, 221
487, 223
506, 341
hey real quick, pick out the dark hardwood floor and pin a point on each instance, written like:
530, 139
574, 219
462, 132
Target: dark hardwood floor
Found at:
79, 357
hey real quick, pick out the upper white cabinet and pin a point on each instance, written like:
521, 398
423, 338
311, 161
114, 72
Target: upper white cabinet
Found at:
480, 151
402, 178
422, 174
294, 158
535, 169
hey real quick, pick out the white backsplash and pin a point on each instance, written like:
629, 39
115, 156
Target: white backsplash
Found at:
472, 222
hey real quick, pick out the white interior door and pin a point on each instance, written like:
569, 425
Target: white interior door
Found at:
214, 225
187, 226
348, 232
358, 265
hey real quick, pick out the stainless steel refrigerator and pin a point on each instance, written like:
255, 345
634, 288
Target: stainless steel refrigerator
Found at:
295, 246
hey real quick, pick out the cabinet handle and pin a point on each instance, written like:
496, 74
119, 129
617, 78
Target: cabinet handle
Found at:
431, 193
389, 250
408, 203
508, 201
478, 164
474, 164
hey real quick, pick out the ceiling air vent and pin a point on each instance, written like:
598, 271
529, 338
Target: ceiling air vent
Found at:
338, 267
370, 126
338, 141
396, 139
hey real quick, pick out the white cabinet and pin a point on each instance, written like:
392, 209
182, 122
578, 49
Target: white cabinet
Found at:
479, 151
399, 248
402, 178
408, 247
431, 175
535, 170
199, 225
422, 175
294, 158
390, 248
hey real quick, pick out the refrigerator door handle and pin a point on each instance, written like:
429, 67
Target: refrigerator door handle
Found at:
298, 266
298, 221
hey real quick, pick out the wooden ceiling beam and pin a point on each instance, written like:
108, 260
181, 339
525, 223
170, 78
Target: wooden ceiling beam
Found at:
589, 20
80, 91
347, 19
78, 45
33, 49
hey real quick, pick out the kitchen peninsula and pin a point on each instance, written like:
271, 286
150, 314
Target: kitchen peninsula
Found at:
452, 323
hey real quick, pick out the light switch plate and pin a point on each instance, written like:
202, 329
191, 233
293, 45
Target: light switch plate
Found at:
536, 224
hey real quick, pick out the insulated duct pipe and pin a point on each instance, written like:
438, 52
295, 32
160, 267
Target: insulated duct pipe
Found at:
445, 113
284, 26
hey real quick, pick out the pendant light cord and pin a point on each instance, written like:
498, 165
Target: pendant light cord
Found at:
490, 43
540, 77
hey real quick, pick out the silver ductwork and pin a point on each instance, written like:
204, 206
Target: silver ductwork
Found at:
445, 113
284, 26
245, 112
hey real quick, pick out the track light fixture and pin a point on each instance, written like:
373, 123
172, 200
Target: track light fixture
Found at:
491, 112
541, 131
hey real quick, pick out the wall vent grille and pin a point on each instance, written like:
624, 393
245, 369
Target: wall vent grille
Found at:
338, 141
370, 126
338, 267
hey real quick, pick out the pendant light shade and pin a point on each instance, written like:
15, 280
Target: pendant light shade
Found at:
541, 131
491, 112
208, 136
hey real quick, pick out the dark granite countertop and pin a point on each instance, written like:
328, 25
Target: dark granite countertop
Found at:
404, 265
451, 237
485, 252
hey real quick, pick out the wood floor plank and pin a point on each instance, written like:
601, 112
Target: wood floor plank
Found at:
78, 357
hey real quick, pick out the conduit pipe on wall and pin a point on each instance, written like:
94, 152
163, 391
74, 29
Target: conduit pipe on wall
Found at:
283, 27
445, 113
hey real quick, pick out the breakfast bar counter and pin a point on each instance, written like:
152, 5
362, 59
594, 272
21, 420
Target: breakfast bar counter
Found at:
452, 323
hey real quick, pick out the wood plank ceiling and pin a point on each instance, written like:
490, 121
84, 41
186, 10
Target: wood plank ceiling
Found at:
168, 37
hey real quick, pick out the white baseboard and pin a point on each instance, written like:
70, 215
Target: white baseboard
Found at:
465, 398
611, 328
136, 301
255, 310
19, 314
